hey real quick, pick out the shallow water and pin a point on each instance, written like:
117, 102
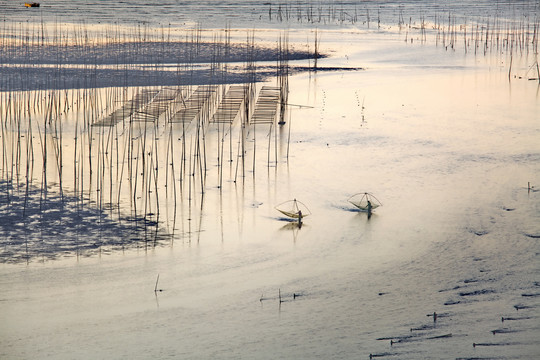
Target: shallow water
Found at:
256, 14
443, 139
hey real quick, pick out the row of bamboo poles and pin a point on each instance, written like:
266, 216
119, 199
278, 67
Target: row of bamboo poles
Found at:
504, 30
141, 153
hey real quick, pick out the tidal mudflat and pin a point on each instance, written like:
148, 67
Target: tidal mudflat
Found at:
138, 220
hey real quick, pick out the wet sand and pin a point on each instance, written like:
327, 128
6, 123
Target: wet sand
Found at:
442, 138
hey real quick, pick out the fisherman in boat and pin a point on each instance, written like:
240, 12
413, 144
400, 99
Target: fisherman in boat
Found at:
369, 207
300, 217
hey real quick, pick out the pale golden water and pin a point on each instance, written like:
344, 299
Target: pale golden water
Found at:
442, 138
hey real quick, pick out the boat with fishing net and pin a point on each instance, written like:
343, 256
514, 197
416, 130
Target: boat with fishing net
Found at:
364, 201
293, 209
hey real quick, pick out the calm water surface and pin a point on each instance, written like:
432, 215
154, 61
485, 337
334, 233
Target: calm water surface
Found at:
257, 14
442, 138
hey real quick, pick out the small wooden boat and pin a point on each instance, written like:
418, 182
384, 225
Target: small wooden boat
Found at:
33, 4
365, 201
293, 209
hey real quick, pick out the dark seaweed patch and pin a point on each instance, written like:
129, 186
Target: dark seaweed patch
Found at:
397, 338
452, 289
503, 319
477, 292
495, 344
372, 356
423, 327
439, 337
504, 331
522, 307
452, 302
479, 232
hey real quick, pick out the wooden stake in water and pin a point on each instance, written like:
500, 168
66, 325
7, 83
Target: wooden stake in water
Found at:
155, 288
